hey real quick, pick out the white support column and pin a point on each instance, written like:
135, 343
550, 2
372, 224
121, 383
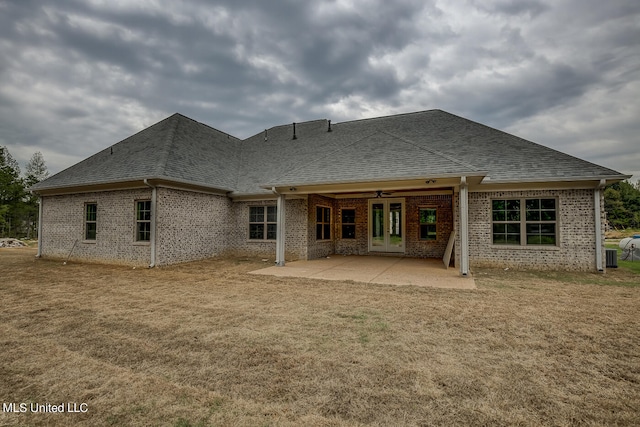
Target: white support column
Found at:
598, 220
464, 226
280, 232
39, 254
154, 216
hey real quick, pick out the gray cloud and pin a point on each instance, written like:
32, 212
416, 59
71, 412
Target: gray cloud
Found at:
77, 76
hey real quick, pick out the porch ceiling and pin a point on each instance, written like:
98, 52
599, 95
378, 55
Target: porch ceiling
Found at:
411, 184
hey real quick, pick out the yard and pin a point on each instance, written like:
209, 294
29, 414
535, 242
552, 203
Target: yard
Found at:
206, 344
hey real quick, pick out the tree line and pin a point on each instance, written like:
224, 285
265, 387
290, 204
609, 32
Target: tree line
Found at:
622, 204
18, 206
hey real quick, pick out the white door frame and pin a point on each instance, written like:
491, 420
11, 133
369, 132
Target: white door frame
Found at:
387, 247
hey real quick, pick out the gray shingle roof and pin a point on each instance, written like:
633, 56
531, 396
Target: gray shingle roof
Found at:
177, 148
375, 156
423, 144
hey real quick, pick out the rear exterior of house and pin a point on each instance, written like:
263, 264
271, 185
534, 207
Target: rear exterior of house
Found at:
427, 184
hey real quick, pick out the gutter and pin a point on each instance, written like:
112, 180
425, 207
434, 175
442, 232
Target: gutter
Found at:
154, 200
86, 187
557, 179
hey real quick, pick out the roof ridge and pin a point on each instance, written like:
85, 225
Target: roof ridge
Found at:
284, 126
239, 157
389, 116
206, 125
168, 144
432, 151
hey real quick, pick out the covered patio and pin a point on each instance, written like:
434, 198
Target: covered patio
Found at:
386, 270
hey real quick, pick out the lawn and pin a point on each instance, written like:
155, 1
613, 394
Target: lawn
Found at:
206, 344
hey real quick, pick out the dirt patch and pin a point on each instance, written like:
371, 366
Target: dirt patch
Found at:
207, 344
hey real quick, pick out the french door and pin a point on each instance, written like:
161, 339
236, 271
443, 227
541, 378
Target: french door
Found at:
386, 225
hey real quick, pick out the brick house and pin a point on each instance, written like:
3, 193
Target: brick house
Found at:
425, 184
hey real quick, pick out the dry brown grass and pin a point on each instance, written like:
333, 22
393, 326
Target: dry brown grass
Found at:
621, 234
206, 344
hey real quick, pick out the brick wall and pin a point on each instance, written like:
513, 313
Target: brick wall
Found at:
444, 216
319, 249
64, 222
195, 225
295, 236
575, 249
191, 225
359, 245
414, 246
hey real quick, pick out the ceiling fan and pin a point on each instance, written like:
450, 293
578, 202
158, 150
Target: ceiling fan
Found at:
380, 193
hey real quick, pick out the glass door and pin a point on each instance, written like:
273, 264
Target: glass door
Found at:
386, 225
377, 226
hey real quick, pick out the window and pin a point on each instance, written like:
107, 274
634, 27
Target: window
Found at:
541, 221
506, 222
90, 221
535, 219
428, 220
263, 222
143, 221
348, 223
323, 223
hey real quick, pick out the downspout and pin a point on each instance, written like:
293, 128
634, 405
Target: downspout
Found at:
39, 254
154, 200
280, 233
598, 219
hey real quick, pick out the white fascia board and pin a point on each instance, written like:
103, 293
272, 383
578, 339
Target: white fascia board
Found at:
456, 176
491, 186
368, 186
615, 178
129, 184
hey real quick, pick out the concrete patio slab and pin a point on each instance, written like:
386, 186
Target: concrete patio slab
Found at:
387, 270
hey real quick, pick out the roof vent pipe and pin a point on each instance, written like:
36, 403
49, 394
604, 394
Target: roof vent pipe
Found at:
265, 135
294, 131
329, 130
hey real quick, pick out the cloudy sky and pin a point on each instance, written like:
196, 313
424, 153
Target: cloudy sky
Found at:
79, 75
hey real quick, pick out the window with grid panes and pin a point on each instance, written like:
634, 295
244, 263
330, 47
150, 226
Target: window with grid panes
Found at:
524, 221
348, 223
428, 220
263, 222
323, 223
90, 221
143, 221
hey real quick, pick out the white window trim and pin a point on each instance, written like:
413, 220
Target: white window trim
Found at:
315, 232
265, 223
136, 221
355, 213
84, 228
523, 224
433, 208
